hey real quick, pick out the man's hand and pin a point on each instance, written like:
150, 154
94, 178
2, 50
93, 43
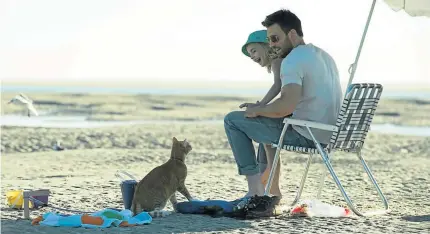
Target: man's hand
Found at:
248, 104
251, 112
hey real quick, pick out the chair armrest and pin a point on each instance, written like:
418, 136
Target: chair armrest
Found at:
311, 124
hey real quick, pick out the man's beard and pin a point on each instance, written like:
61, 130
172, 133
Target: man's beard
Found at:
283, 55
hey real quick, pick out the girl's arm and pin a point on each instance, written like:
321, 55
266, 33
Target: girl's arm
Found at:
276, 87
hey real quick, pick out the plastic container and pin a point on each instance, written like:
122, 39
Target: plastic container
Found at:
43, 199
315, 208
127, 188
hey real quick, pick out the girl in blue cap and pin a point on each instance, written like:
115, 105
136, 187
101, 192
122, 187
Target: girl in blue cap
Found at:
257, 48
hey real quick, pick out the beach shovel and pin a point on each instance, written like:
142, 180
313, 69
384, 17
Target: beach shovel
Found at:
127, 187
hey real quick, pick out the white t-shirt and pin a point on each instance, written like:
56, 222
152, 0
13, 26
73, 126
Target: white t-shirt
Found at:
315, 70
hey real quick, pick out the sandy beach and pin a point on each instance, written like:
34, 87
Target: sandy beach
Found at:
83, 176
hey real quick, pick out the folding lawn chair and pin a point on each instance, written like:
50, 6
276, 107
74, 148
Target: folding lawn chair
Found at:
351, 128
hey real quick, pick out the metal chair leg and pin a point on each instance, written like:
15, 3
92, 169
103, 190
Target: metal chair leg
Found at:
378, 189
348, 200
351, 205
302, 182
321, 183
276, 159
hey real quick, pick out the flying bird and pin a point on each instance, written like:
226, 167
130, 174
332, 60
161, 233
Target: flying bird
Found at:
25, 100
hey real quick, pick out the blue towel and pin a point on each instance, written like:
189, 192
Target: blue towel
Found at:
110, 218
213, 207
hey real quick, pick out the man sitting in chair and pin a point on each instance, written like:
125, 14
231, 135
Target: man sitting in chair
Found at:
310, 91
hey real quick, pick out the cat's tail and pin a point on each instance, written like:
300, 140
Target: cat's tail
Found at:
133, 208
159, 213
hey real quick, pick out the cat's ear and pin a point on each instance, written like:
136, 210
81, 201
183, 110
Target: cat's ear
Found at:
175, 140
185, 143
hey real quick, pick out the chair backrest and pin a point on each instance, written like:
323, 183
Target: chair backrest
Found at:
355, 116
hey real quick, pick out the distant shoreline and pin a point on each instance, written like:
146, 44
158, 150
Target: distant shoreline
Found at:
212, 90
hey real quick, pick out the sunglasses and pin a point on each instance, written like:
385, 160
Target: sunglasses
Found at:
273, 38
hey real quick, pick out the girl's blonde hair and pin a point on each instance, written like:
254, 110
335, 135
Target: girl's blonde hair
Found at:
271, 55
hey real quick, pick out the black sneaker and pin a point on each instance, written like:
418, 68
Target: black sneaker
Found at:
263, 206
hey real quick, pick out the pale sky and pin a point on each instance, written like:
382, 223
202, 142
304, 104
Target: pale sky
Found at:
186, 40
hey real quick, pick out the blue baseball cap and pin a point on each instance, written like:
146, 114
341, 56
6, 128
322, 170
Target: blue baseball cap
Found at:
255, 37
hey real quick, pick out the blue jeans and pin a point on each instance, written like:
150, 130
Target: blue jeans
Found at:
241, 131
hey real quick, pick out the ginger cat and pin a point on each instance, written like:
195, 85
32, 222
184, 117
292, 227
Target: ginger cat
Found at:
160, 185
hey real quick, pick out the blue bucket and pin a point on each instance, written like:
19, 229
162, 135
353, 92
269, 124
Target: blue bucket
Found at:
127, 188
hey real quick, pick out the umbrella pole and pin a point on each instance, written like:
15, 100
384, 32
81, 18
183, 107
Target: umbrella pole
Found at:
353, 67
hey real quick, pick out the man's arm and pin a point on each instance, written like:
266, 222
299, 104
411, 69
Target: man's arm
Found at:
292, 75
276, 87
284, 105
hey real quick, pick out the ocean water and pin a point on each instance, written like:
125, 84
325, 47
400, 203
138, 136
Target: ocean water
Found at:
81, 122
183, 91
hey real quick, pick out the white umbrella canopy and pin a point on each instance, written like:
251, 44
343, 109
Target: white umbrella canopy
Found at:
413, 8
